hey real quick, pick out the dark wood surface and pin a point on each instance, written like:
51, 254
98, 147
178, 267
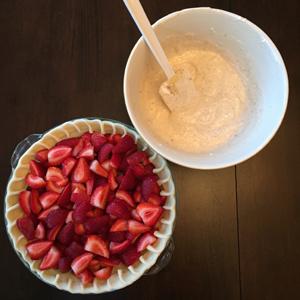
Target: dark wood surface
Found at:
238, 229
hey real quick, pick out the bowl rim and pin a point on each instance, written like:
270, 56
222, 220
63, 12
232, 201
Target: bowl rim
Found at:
220, 165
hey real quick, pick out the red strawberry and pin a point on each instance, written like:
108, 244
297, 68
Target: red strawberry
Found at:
24, 201
79, 213
54, 174
53, 232
138, 157
137, 195
116, 236
114, 138
51, 259
79, 229
105, 152
64, 198
90, 185
74, 250
144, 241
78, 187
35, 182
26, 227
106, 165
98, 140
66, 234
156, 199
42, 155
98, 169
69, 217
109, 262
86, 277
116, 160
43, 215
136, 216
40, 232
118, 208
124, 164
99, 196
70, 142
150, 213
103, 273
115, 248
112, 179
128, 181
58, 154
87, 152
130, 256
138, 170
149, 186
79, 196
125, 144
94, 265
67, 166
78, 147
119, 225
36, 169
81, 173
96, 212
97, 225
149, 169
132, 237
64, 264
96, 245
123, 195
136, 227
53, 187
37, 250
47, 199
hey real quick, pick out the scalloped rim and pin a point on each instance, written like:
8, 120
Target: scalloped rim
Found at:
123, 276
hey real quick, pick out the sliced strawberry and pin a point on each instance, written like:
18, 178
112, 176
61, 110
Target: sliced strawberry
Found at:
78, 187
97, 225
54, 174
125, 144
67, 166
149, 186
24, 201
94, 265
96, 212
66, 234
130, 256
38, 249
116, 160
36, 169
86, 277
106, 165
51, 259
40, 232
115, 248
79, 213
47, 199
114, 138
78, 147
90, 185
156, 199
53, 187
96, 245
132, 237
139, 170
123, 195
118, 208
35, 182
98, 140
74, 250
56, 217
43, 215
119, 225
98, 169
26, 226
109, 262
79, 196
128, 181
58, 154
42, 155
137, 158
116, 236
64, 264
136, 216
99, 196
144, 241
79, 229
105, 152
124, 164
150, 213
103, 273
69, 217
53, 232
70, 142
112, 180
81, 172
136, 227
137, 196
87, 152
64, 198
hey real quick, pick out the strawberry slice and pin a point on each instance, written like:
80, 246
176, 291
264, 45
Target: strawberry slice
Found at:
66, 234
36, 169
79, 229
150, 213
86, 277
56, 217
123, 195
116, 236
35, 182
115, 248
139, 170
96, 212
125, 144
137, 195
69, 217
105, 152
97, 225
43, 215
98, 169
87, 152
137, 158
78, 187
103, 273
94, 265
54, 174
90, 185
144, 241
136, 216
24, 201
136, 227
128, 181
79, 196
132, 237
58, 154
149, 186
51, 259
112, 179
119, 225
130, 256
67, 166
74, 250
53, 187
42, 155
118, 209
47, 199
80, 211
78, 147
109, 262
157, 200
40, 232
53, 232
70, 142
64, 198
99, 196
26, 227
38, 250
98, 140
64, 264
81, 173
106, 165
96, 245
116, 160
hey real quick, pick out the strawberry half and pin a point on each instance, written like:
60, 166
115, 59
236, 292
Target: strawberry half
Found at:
42, 155
56, 217
149, 186
24, 201
97, 225
109, 262
123, 195
53, 232
119, 225
40, 232
128, 181
130, 256
105, 152
81, 262
53, 187
116, 236
90, 185
150, 213
67, 166
99, 196
115, 248
87, 152
26, 226
98, 169
64, 264
144, 241
86, 277
38, 250
70, 142
96, 245
136, 227
64, 198
43, 215
35, 182
47, 199
74, 250
36, 169
81, 173
94, 265
98, 140
125, 144
118, 209
138, 157
58, 154
116, 160
51, 259
103, 273
54, 174
112, 179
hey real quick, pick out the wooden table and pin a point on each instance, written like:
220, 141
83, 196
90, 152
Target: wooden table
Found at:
238, 229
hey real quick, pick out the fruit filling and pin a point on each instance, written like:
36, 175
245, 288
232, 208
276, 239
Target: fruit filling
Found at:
92, 203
